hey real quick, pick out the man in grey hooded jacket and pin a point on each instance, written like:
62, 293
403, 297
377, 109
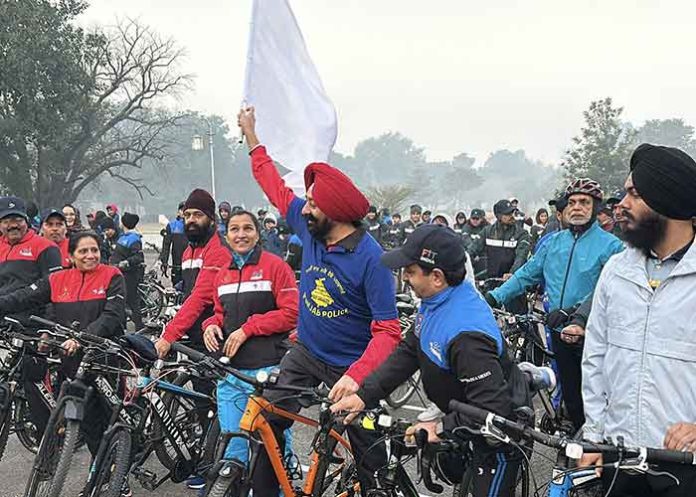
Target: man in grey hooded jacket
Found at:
639, 362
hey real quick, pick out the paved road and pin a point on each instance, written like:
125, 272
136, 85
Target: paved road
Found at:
15, 465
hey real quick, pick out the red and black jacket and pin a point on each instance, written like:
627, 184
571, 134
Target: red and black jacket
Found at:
262, 299
25, 262
200, 266
95, 299
64, 254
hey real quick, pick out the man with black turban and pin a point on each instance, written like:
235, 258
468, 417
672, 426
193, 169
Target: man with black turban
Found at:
347, 320
639, 362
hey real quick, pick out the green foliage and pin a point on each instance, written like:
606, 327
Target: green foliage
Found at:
670, 132
392, 197
603, 149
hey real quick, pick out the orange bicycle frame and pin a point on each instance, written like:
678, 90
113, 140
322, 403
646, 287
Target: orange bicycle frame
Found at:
254, 421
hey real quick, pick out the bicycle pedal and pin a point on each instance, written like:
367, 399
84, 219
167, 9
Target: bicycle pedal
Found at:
146, 478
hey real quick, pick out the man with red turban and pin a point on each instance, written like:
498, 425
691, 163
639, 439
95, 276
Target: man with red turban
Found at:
347, 319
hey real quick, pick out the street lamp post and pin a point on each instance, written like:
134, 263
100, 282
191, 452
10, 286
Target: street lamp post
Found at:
197, 145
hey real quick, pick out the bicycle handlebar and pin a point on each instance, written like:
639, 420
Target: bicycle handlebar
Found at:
650, 455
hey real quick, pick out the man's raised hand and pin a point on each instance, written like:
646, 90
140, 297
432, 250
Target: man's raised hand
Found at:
246, 120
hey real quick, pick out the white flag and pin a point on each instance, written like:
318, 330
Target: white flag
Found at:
295, 119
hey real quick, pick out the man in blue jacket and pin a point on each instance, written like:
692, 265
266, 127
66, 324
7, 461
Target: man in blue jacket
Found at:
569, 263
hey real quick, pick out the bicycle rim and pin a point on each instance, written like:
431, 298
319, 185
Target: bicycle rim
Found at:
404, 392
112, 470
5, 422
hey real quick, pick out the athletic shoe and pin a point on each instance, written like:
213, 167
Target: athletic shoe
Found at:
195, 482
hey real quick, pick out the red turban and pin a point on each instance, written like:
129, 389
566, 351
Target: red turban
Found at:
335, 194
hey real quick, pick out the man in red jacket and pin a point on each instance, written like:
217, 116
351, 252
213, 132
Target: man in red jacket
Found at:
206, 254
55, 228
347, 318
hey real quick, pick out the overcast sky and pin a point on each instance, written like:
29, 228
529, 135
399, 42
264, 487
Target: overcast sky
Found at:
454, 75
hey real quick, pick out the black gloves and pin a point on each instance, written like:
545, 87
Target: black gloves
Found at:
490, 299
558, 319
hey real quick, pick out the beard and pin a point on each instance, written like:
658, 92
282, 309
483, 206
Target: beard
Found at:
196, 233
318, 229
647, 232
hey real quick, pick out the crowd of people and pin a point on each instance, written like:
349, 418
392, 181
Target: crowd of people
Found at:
310, 291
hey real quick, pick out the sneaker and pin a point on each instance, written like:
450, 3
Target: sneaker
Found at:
195, 482
432, 413
540, 377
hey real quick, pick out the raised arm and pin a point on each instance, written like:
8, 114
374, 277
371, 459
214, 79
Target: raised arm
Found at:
262, 167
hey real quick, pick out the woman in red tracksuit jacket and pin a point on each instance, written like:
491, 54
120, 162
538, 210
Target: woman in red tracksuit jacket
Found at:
256, 304
92, 294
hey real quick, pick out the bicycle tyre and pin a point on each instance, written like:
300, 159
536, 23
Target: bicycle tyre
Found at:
320, 483
113, 469
404, 392
72, 434
55, 451
5, 422
225, 486
24, 428
171, 401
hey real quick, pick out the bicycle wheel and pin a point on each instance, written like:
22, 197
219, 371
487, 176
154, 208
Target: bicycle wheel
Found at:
5, 422
25, 429
190, 420
151, 299
112, 470
54, 457
404, 392
227, 482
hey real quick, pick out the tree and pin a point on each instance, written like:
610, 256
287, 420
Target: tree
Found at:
382, 160
603, 149
392, 197
670, 132
76, 106
185, 169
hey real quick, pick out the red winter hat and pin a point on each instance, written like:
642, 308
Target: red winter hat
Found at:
335, 194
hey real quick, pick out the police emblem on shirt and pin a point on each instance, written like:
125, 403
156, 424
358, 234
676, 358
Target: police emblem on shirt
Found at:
320, 295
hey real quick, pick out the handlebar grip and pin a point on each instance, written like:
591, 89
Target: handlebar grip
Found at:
188, 351
473, 412
670, 456
45, 322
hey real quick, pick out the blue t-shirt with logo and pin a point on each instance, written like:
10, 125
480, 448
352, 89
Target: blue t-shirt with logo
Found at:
342, 290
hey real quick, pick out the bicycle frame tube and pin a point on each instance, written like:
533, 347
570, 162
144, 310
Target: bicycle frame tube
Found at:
254, 421
560, 485
176, 389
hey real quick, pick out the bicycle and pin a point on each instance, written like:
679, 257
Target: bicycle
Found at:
167, 422
14, 407
54, 459
330, 451
568, 482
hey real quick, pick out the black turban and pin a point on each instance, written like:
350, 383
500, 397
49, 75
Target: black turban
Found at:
665, 178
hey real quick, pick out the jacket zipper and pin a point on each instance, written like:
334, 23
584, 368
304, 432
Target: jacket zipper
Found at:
82, 283
565, 279
642, 366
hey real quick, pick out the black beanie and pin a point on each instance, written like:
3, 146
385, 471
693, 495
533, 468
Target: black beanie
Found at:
665, 177
201, 200
107, 223
129, 220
